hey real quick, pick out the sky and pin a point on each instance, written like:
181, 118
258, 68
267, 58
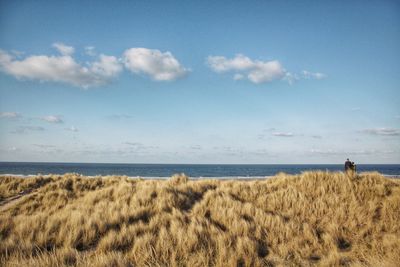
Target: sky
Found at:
263, 82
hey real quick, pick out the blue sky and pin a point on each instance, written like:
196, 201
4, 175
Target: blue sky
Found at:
206, 82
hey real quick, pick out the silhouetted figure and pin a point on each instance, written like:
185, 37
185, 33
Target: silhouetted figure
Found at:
353, 167
347, 165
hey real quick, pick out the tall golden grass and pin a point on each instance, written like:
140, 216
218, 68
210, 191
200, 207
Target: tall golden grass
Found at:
316, 218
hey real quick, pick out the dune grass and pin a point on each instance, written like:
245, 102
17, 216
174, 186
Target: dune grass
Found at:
316, 218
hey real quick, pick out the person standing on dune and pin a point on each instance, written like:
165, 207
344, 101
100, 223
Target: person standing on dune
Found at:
347, 166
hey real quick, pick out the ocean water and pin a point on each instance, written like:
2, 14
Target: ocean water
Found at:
192, 170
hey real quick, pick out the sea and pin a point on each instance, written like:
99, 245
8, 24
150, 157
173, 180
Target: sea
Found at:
192, 170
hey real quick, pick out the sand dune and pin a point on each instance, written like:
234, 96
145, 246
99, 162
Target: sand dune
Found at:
316, 218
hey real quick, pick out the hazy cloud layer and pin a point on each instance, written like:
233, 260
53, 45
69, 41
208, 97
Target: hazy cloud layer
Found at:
383, 131
257, 71
119, 116
25, 129
152, 62
44, 146
10, 115
72, 129
334, 152
136, 146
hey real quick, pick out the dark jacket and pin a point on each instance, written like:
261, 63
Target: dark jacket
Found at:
347, 165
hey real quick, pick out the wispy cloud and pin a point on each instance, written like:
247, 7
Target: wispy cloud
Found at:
133, 144
313, 75
383, 131
333, 152
52, 119
43, 146
64, 49
281, 134
25, 129
90, 51
120, 116
160, 66
137, 146
61, 68
257, 71
9, 149
10, 115
316, 136
71, 129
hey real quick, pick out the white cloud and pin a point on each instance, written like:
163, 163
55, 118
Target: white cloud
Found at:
266, 72
64, 49
313, 75
61, 68
255, 71
107, 66
154, 63
222, 64
280, 134
72, 129
52, 119
383, 131
10, 115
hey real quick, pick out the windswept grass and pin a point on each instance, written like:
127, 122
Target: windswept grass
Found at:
316, 218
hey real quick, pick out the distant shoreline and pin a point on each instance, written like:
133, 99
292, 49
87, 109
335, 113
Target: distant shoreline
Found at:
236, 178
196, 171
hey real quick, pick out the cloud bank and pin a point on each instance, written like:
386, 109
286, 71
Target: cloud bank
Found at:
64, 68
153, 63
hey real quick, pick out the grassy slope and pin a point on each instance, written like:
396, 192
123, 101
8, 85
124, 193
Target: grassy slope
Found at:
316, 218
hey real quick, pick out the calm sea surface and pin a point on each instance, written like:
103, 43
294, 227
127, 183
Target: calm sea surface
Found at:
193, 170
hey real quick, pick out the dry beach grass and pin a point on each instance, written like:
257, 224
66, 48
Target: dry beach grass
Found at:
316, 218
